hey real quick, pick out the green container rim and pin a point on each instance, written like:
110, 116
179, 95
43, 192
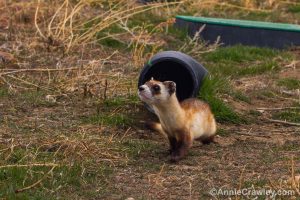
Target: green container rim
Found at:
242, 23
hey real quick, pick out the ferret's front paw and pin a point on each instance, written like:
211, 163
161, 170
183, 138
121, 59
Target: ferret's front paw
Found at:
174, 159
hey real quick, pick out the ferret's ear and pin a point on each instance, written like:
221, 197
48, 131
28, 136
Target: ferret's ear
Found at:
171, 86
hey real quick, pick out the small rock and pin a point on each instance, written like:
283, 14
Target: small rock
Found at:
140, 131
50, 98
261, 111
4, 21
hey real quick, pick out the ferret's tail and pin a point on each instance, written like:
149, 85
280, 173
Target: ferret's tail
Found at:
156, 127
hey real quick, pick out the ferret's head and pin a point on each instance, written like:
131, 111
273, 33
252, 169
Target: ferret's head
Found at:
156, 92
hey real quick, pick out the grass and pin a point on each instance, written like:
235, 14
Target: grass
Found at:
240, 96
264, 94
119, 101
101, 152
137, 148
176, 38
288, 146
294, 9
112, 43
36, 98
107, 38
3, 92
120, 116
209, 92
230, 63
292, 115
240, 54
254, 113
180, 34
222, 132
107, 119
256, 16
238, 61
66, 178
235, 70
258, 69
72, 178
257, 183
257, 11
289, 83
146, 19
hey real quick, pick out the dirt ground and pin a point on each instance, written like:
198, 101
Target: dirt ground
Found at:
90, 117
256, 155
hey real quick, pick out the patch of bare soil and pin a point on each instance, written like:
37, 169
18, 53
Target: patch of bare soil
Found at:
292, 72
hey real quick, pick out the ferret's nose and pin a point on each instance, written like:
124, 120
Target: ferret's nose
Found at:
141, 88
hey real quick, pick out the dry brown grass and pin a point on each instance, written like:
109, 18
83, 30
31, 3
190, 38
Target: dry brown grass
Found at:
71, 28
65, 26
195, 46
288, 183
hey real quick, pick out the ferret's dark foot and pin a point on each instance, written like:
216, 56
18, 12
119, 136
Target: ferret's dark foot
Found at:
175, 157
170, 151
179, 153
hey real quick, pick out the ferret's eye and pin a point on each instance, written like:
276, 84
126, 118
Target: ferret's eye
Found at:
156, 88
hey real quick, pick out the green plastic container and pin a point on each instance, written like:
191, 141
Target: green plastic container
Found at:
253, 33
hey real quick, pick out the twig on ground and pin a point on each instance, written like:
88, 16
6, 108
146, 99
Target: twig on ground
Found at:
253, 135
281, 108
12, 71
28, 83
31, 165
283, 122
125, 134
242, 177
293, 64
291, 93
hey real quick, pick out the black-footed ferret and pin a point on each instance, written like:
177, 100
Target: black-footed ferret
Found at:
182, 122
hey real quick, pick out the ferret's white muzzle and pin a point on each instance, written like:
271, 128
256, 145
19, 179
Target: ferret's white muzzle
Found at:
145, 93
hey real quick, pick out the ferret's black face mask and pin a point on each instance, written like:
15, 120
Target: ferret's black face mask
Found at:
153, 92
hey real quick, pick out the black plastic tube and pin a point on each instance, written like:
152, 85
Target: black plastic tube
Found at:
175, 66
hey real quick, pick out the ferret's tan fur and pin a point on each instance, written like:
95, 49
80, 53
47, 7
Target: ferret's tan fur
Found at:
182, 122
